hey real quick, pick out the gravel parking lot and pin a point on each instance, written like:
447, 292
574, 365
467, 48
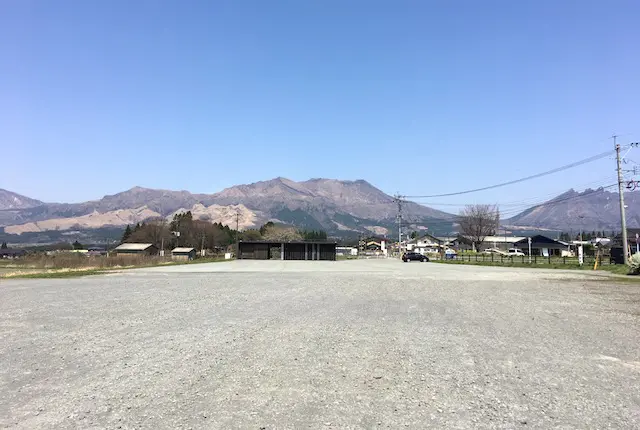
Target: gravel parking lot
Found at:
351, 344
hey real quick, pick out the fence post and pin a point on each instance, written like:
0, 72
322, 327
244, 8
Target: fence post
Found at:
564, 260
492, 257
549, 258
523, 259
501, 259
476, 257
535, 259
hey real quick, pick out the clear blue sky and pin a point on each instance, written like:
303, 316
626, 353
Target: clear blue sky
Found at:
419, 97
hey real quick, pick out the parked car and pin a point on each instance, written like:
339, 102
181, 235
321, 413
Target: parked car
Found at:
414, 256
450, 254
515, 253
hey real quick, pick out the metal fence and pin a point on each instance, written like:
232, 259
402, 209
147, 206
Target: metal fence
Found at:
535, 259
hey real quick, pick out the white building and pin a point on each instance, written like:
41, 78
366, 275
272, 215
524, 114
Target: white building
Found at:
346, 250
426, 244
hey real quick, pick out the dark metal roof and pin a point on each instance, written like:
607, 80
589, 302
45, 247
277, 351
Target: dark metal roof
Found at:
278, 242
10, 251
538, 238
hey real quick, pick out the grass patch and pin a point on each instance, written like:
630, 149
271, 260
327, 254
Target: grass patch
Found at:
55, 275
618, 269
74, 266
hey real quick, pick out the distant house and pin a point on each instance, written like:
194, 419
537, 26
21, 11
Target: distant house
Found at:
11, 253
346, 251
540, 245
183, 253
633, 240
96, 251
425, 244
375, 244
502, 243
544, 246
136, 249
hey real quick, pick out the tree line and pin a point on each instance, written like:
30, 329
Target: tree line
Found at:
185, 231
586, 235
479, 221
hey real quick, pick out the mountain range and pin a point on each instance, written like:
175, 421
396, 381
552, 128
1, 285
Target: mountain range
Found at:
342, 208
592, 209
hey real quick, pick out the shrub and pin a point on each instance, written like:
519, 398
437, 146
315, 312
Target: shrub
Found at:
635, 264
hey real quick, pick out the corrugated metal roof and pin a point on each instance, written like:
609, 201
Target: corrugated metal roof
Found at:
186, 250
133, 246
502, 239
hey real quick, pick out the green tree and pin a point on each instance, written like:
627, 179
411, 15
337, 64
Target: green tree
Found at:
251, 234
4, 245
127, 234
313, 235
265, 227
77, 245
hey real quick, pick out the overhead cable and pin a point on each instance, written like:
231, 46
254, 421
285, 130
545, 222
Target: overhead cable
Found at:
527, 178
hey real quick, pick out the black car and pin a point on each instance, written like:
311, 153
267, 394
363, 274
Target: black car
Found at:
414, 256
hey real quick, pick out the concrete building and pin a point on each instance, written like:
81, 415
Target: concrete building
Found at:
269, 250
136, 249
183, 253
346, 251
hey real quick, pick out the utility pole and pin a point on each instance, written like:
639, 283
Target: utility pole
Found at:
581, 225
398, 199
623, 218
506, 248
237, 228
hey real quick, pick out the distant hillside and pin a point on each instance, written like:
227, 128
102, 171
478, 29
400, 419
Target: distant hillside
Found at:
591, 210
11, 200
341, 208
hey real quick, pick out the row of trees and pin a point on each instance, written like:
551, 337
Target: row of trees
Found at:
183, 230
479, 221
586, 235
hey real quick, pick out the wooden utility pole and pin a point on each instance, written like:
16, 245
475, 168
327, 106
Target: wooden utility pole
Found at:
398, 199
237, 228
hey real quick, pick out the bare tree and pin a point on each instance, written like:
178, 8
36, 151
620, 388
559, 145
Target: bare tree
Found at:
477, 222
154, 231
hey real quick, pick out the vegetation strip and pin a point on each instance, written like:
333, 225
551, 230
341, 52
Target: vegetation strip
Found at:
25, 272
610, 268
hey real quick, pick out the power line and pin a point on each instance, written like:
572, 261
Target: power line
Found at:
527, 178
527, 201
517, 212
558, 201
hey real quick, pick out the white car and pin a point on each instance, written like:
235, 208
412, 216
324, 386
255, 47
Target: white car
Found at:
493, 251
515, 253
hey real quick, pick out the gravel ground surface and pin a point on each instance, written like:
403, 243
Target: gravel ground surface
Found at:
353, 344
